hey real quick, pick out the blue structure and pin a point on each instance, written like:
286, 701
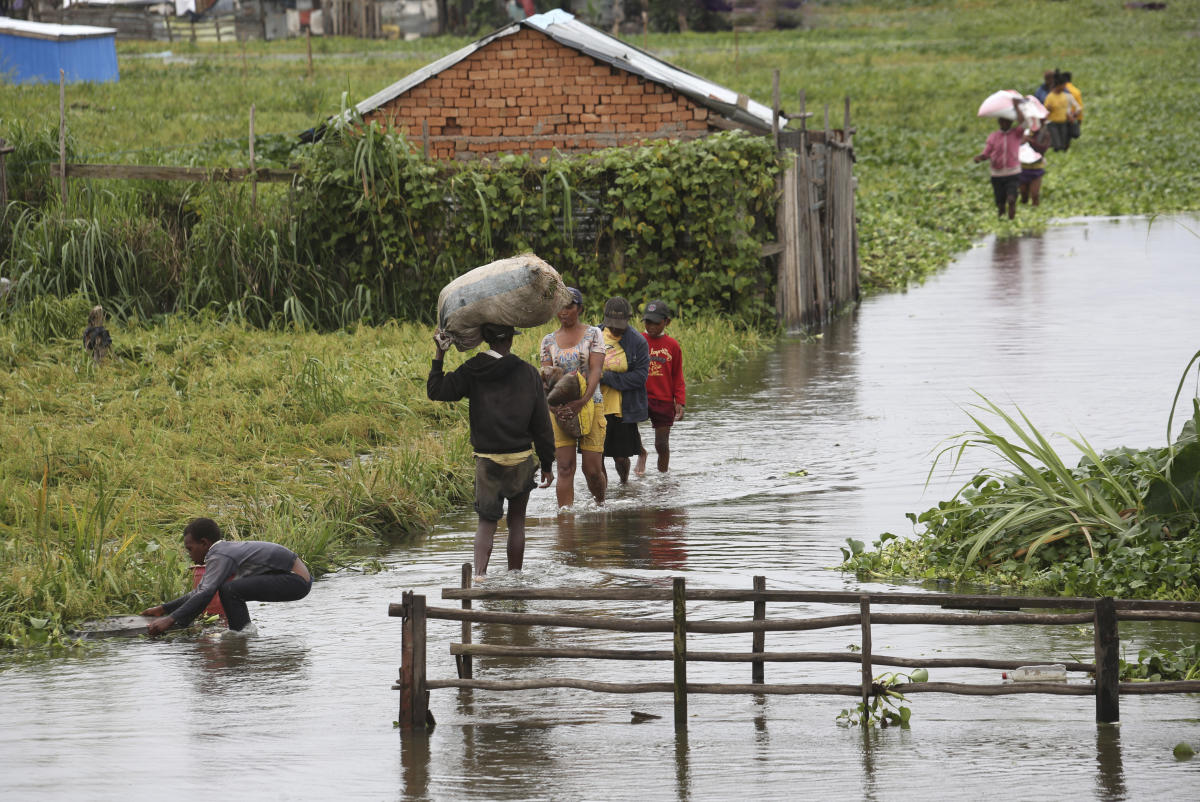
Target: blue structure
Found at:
34, 52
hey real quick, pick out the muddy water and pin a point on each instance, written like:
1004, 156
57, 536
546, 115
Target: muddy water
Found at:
1086, 327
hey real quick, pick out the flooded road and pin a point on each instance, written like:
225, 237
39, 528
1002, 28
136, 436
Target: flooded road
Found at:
1087, 328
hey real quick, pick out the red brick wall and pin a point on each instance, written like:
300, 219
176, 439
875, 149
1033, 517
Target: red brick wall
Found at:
525, 93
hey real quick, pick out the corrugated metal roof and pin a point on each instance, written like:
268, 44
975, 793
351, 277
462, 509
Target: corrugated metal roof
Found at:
51, 30
570, 32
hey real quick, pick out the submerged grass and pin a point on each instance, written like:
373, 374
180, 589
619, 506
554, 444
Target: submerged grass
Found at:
316, 441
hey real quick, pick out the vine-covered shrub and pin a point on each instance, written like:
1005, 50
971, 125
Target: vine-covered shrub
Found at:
372, 230
682, 221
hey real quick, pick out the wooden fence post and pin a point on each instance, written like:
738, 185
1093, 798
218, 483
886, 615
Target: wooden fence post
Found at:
414, 698
62, 135
308, 45
253, 171
775, 110
864, 605
1108, 674
465, 668
5, 149
679, 652
759, 637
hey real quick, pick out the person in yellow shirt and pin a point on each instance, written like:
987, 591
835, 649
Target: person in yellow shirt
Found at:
623, 385
1075, 93
1064, 110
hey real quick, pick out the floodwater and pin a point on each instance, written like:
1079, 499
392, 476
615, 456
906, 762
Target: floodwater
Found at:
1087, 328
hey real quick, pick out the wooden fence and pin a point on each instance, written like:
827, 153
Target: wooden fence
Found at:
1102, 613
818, 270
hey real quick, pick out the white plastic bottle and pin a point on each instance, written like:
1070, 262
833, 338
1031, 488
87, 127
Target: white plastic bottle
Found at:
1051, 673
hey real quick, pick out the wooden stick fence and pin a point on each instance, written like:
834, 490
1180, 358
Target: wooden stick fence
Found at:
818, 269
1104, 614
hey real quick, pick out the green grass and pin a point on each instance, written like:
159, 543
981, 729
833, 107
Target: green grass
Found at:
316, 441
915, 72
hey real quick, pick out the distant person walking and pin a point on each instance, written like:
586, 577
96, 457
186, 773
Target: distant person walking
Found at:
1002, 151
666, 392
578, 347
255, 569
623, 385
1033, 164
1064, 111
509, 423
1045, 87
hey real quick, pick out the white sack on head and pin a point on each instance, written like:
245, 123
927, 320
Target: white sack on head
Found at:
521, 291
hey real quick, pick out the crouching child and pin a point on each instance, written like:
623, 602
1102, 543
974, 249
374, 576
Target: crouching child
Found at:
510, 435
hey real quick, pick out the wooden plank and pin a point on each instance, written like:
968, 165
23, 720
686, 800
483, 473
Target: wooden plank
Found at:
254, 177
1108, 671
816, 689
466, 669
758, 640
406, 660
62, 135
811, 596
150, 172
693, 656
729, 627
679, 652
865, 616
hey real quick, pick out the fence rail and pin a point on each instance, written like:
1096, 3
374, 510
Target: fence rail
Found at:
1103, 613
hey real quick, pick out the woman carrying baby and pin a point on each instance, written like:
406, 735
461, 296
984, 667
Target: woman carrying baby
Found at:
577, 347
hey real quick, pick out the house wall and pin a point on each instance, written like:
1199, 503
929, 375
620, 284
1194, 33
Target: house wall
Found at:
526, 93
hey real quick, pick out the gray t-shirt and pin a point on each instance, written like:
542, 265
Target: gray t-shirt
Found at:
228, 559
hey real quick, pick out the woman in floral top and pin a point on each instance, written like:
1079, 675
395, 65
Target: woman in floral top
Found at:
578, 347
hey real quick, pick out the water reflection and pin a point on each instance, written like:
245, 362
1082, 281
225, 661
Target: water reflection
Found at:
414, 765
1110, 772
639, 537
683, 767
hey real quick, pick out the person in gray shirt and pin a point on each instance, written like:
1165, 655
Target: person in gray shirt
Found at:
255, 569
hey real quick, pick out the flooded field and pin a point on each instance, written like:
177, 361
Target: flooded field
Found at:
1087, 328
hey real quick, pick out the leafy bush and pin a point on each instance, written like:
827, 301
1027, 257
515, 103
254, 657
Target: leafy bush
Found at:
1121, 523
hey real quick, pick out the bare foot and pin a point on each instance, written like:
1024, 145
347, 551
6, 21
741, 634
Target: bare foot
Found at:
640, 468
479, 580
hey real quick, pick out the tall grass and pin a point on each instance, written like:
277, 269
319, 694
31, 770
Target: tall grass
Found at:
323, 442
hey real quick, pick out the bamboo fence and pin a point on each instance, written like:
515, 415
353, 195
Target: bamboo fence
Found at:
1103, 613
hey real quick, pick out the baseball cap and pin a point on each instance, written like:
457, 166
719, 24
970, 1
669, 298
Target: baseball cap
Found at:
617, 312
656, 311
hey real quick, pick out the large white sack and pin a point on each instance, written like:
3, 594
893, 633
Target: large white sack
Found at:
518, 291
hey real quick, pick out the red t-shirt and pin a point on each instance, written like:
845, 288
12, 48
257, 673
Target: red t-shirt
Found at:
665, 382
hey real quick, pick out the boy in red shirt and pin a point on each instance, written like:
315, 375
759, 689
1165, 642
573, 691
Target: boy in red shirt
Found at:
664, 386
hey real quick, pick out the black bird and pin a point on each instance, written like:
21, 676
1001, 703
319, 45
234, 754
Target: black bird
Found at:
95, 337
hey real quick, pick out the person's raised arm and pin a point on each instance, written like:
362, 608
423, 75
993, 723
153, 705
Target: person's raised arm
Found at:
440, 386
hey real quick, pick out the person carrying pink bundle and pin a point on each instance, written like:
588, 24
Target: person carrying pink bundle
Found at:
1002, 150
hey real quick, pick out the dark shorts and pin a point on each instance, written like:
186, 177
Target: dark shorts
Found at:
622, 439
662, 413
1004, 188
1027, 176
494, 483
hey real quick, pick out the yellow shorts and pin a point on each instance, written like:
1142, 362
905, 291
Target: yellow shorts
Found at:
592, 441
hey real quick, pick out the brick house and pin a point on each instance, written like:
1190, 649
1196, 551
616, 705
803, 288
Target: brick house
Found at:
551, 83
